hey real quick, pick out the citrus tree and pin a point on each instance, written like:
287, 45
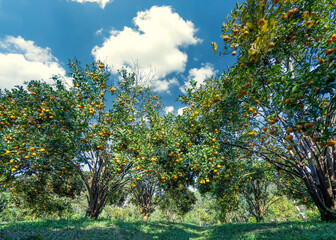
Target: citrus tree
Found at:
147, 195
179, 200
44, 194
91, 129
168, 169
259, 192
278, 101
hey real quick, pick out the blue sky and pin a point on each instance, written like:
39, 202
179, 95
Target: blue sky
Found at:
169, 39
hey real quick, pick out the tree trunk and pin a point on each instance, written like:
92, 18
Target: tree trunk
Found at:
96, 203
92, 211
328, 216
322, 190
144, 211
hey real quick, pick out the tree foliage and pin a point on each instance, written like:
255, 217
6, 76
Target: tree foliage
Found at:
278, 101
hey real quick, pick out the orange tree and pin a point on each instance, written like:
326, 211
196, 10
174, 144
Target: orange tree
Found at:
278, 101
179, 200
146, 194
259, 189
42, 194
25, 120
60, 131
168, 169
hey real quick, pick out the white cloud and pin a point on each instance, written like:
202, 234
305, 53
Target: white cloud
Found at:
199, 75
102, 3
168, 109
180, 110
155, 42
100, 31
163, 85
22, 60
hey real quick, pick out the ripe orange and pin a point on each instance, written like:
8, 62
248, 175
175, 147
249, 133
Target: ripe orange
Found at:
289, 130
225, 38
298, 127
289, 137
331, 143
309, 125
261, 22
271, 44
289, 147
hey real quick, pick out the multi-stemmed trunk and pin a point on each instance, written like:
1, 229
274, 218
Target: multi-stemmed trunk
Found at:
98, 197
321, 183
311, 163
101, 183
144, 194
258, 199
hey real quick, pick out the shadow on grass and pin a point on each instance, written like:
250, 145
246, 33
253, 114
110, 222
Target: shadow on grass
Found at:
161, 230
98, 229
274, 231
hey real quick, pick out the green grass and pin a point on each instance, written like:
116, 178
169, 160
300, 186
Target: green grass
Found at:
108, 229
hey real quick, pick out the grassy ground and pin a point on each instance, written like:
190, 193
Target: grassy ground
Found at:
107, 229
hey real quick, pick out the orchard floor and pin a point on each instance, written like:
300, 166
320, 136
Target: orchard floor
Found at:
108, 229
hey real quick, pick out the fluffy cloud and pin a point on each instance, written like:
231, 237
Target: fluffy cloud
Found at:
155, 42
180, 110
22, 60
163, 85
199, 75
168, 109
102, 3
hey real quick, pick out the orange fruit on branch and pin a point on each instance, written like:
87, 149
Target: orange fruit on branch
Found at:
261, 22
289, 130
289, 147
331, 143
309, 125
289, 137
